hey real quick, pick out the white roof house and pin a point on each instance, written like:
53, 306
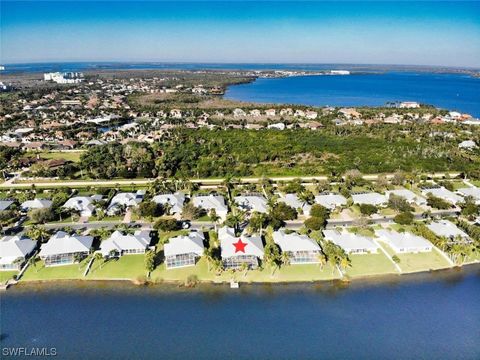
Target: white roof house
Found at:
350, 242
331, 201
371, 198
252, 203
13, 248
302, 249
209, 202
125, 199
84, 204
293, 201
5, 204
445, 194
410, 196
175, 200
182, 251
236, 250
447, 229
404, 242
36, 204
471, 191
121, 244
61, 248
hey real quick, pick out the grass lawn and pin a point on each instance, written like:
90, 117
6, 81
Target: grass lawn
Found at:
40, 272
6, 275
370, 264
387, 211
475, 182
458, 184
69, 156
473, 258
126, 267
412, 262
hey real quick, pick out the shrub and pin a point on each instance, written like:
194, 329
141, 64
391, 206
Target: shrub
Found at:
404, 218
368, 209
167, 225
315, 223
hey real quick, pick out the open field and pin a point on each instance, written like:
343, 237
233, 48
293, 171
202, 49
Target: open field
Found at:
40, 272
126, 267
73, 156
6, 275
412, 262
370, 264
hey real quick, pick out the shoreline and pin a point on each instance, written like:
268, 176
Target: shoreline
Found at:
362, 279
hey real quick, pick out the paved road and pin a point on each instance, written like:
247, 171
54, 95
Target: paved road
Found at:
246, 180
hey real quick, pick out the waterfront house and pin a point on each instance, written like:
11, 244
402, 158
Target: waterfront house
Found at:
270, 112
293, 201
409, 105
473, 191
119, 244
82, 204
300, 248
14, 250
63, 249
286, 112
175, 202
184, 250
209, 202
443, 193
255, 113
405, 242
350, 242
36, 204
447, 229
331, 201
124, 200
252, 203
371, 198
311, 115
408, 195
239, 113
239, 250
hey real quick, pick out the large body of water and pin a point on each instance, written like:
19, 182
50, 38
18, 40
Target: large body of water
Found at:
429, 316
375, 85
448, 91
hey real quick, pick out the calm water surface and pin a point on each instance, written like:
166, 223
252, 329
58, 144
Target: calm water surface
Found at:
432, 316
448, 91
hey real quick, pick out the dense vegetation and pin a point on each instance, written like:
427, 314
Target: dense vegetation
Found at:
206, 153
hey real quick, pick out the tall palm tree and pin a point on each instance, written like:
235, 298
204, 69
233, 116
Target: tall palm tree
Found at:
212, 215
322, 260
285, 258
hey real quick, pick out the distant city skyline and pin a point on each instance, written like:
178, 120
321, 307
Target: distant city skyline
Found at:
410, 33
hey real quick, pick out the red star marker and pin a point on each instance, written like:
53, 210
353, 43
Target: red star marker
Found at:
240, 246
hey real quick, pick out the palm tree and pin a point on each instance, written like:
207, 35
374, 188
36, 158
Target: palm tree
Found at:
78, 257
98, 257
209, 257
244, 268
33, 261
235, 219
285, 258
37, 233
322, 260
212, 215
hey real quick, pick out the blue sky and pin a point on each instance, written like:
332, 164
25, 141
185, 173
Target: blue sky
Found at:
423, 33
